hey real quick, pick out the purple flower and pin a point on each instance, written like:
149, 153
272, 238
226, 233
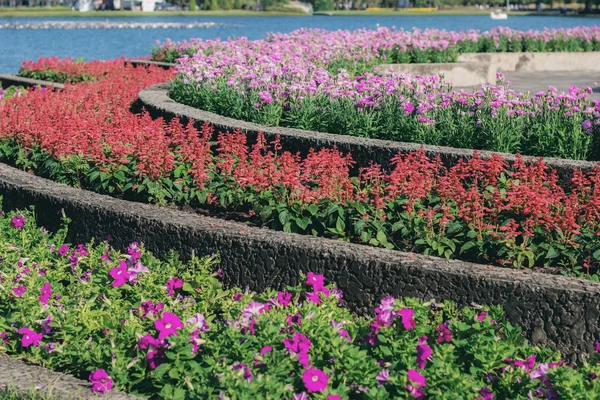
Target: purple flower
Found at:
284, 299
46, 293
19, 290
63, 250
384, 376
299, 346
173, 284
120, 274
315, 380
18, 222
486, 394
46, 328
30, 337
252, 309
416, 382
198, 322
101, 382
265, 350
407, 318
587, 125
317, 281
167, 325
423, 352
444, 333
344, 333
408, 108
247, 374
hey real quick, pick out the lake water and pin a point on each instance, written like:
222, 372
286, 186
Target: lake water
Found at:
17, 45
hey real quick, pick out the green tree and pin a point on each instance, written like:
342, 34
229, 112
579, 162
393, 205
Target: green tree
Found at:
323, 5
193, 6
237, 4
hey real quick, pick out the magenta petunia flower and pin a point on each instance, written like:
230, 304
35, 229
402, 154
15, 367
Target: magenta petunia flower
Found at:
416, 383
486, 394
317, 281
299, 346
315, 380
30, 337
63, 250
19, 290
18, 221
444, 333
46, 293
173, 284
167, 325
265, 350
334, 397
101, 382
119, 274
423, 352
407, 318
481, 317
238, 297
284, 298
344, 333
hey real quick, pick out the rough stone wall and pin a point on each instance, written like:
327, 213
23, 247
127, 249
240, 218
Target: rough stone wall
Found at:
553, 310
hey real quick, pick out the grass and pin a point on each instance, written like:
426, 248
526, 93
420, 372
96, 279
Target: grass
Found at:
13, 394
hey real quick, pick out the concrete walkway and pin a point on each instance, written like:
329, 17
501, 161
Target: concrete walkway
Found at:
23, 377
540, 81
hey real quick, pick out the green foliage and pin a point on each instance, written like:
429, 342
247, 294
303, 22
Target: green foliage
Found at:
97, 324
193, 6
323, 5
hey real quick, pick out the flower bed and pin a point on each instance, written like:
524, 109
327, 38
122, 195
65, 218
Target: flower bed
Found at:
367, 48
68, 70
479, 210
285, 85
10, 91
169, 329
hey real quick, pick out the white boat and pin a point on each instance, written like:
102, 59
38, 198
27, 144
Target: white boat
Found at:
498, 14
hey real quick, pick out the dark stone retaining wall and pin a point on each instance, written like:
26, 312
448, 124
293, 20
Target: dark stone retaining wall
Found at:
552, 310
157, 102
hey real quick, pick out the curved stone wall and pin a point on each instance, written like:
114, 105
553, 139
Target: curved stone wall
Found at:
157, 102
554, 310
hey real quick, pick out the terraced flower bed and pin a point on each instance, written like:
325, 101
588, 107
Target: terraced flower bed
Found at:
68, 70
478, 210
168, 329
282, 82
366, 48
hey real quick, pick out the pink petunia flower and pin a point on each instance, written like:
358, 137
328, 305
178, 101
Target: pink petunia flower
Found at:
19, 290
173, 284
167, 325
416, 383
120, 274
101, 382
46, 293
423, 352
18, 221
315, 380
30, 337
317, 281
408, 320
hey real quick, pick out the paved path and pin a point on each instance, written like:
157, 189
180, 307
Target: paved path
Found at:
21, 376
536, 81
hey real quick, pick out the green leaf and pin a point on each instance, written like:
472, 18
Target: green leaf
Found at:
162, 369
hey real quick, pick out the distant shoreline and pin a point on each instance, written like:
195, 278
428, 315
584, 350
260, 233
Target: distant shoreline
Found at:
65, 12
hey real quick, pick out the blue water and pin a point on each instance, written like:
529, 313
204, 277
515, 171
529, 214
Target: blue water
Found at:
19, 45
